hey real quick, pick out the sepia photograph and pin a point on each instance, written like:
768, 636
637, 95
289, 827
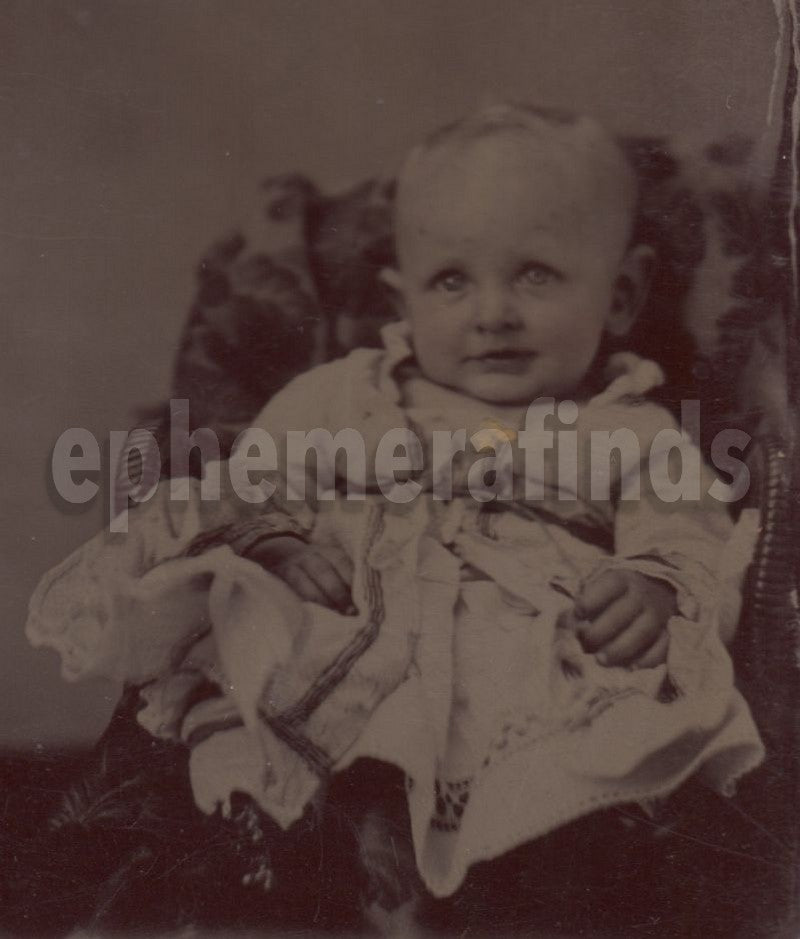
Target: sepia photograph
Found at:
401, 532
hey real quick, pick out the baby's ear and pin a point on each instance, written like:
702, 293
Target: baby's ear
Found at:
394, 280
630, 289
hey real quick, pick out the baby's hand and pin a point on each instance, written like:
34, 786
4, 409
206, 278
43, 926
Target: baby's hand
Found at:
319, 573
624, 618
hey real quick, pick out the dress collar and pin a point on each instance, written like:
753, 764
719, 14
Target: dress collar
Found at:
627, 374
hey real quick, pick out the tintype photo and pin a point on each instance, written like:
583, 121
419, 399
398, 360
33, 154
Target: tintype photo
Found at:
400, 485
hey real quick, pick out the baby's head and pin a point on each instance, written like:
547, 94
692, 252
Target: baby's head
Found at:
513, 234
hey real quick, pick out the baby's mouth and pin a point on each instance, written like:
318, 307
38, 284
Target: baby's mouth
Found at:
505, 360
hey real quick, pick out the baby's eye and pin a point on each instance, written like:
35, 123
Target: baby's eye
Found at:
449, 281
537, 275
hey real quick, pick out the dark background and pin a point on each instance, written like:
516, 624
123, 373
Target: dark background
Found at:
133, 134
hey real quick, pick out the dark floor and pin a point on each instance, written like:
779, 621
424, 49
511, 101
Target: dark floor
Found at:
107, 855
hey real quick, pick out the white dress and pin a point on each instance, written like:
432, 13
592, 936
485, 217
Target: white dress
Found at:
461, 665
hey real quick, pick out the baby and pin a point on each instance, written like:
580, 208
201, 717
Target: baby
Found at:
524, 655
514, 260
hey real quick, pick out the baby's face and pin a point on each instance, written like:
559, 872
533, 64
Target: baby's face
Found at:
508, 261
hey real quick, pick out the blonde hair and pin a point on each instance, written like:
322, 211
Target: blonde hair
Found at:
576, 137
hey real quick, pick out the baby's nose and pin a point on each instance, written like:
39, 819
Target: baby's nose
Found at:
495, 309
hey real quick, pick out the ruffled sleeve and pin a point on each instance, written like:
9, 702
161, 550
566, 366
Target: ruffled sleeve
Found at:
682, 542
125, 603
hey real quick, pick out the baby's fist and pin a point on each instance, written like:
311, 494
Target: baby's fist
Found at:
624, 618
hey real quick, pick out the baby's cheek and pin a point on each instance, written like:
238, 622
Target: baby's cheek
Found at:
558, 327
572, 348
579, 343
